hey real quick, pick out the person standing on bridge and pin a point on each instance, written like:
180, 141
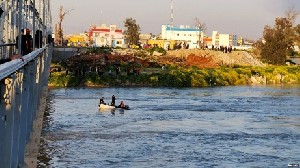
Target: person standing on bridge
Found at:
23, 43
38, 39
28, 39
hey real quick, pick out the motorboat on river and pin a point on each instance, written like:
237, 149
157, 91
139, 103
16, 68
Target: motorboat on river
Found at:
110, 107
106, 106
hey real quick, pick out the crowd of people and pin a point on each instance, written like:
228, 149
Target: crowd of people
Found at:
26, 43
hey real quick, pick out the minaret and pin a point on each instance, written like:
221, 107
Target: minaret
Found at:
172, 13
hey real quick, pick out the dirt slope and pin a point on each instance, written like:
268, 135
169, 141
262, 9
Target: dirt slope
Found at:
212, 59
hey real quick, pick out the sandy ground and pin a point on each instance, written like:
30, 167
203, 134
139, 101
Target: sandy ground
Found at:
212, 59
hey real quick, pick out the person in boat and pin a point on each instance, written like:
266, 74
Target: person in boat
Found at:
122, 105
113, 100
102, 100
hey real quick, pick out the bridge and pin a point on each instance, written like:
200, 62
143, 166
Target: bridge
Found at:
23, 78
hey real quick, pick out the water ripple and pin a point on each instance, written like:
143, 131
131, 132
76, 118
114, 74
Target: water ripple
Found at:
245, 126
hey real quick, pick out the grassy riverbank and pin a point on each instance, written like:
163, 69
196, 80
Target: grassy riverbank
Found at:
184, 77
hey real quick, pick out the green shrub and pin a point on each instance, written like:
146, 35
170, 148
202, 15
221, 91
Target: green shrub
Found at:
158, 49
198, 80
242, 80
177, 76
154, 80
293, 69
290, 79
280, 70
99, 50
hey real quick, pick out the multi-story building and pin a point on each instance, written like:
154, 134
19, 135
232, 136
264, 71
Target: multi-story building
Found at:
108, 36
224, 40
186, 34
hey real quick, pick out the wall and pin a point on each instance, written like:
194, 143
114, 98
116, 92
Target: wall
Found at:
62, 53
225, 40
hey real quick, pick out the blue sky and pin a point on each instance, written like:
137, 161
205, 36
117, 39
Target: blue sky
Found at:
245, 18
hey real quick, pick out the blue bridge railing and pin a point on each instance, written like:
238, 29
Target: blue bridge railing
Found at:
22, 85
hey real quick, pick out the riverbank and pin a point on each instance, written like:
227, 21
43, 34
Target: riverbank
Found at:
183, 77
178, 68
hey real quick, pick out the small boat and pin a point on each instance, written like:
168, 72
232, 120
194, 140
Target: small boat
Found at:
106, 106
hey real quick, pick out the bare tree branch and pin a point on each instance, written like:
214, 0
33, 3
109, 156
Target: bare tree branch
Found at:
291, 14
59, 33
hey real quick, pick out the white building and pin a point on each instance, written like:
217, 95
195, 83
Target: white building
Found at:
224, 40
107, 36
183, 33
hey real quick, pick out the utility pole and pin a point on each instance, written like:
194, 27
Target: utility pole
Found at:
201, 26
172, 13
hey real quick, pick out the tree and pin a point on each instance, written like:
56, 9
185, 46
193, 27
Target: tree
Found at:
297, 31
201, 26
132, 31
273, 49
59, 31
279, 40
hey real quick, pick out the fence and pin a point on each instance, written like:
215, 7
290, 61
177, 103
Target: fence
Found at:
6, 50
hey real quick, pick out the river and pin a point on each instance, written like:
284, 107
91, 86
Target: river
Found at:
235, 126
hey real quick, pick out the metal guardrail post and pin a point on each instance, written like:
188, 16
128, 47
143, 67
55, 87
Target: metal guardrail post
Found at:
32, 89
17, 116
24, 113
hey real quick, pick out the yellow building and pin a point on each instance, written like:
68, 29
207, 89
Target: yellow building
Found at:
77, 40
166, 44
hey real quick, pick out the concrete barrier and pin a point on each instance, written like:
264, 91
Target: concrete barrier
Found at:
63, 53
